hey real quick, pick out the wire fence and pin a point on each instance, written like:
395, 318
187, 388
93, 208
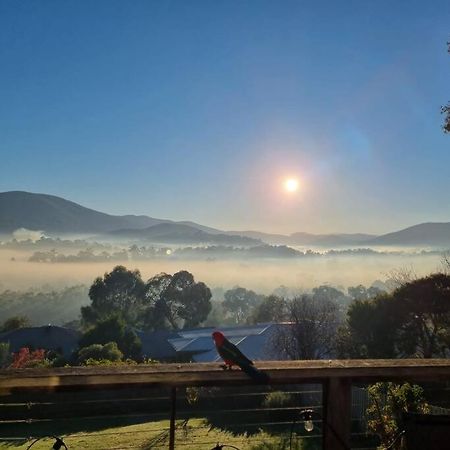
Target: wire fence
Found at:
245, 417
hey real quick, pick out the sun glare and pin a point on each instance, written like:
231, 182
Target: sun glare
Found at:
291, 185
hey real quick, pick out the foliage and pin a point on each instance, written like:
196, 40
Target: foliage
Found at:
165, 301
313, 329
446, 109
360, 292
113, 329
277, 399
176, 301
272, 309
280, 443
412, 321
26, 358
43, 307
100, 353
119, 291
15, 322
239, 302
371, 329
425, 307
387, 402
5, 355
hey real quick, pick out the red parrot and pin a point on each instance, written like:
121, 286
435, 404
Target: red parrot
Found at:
232, 356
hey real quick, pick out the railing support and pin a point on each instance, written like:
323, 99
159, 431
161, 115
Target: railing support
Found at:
337, 414
173, 414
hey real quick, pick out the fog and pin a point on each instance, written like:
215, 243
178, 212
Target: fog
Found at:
261, 275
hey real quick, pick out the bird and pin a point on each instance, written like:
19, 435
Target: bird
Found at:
232, 356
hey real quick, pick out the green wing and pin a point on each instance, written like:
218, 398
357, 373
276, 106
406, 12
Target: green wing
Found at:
231, 352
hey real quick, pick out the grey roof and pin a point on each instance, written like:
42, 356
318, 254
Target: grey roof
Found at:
197, 344
156, 344
48, 337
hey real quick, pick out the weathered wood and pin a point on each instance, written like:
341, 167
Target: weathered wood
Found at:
337, 413
173, 412
207, 374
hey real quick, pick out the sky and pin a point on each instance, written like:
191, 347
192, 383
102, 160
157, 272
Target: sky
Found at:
199, 110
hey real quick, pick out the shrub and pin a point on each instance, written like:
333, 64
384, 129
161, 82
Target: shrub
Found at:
98, 352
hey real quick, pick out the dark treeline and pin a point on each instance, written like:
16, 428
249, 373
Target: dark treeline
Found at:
135, 253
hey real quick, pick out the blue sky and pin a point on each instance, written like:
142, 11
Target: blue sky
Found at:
197, 110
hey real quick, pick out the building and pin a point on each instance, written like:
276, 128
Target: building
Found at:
196, 345
59, 339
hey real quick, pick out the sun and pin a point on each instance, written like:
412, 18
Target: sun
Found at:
291, 184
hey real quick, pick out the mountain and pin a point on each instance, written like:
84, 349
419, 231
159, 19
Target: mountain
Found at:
181, 233
327, 240
268, 238
422, 235
308, 239
53, 214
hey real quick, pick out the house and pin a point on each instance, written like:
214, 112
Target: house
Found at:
196, 345
59, 339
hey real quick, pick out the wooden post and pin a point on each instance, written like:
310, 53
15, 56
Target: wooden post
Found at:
173, 413
337, 414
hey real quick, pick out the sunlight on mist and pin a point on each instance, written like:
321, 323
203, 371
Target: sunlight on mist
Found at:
261, 275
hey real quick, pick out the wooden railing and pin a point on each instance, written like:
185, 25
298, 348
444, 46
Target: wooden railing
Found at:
336, 377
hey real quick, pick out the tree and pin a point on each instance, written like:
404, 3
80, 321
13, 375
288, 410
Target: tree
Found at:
360, 292
176, 301
425, 307
13, 323
370, 330
446, 109
120, 290
99, 352
387, 403
113, 329
271, 309
5, 355
412, 321
313, 329
239, 302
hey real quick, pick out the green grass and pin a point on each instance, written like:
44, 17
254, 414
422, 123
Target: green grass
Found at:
196, 434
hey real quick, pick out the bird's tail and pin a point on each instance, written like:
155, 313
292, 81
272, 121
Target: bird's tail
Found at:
253, 372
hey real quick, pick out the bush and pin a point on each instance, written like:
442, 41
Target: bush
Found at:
277, 399
98, 352
113, 329
25, 358
5, 355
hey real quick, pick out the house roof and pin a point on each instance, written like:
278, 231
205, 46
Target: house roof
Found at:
48, 337
252, 340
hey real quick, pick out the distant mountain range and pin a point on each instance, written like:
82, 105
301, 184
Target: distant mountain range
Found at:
308, 239
425, 234
181, 233
55, 215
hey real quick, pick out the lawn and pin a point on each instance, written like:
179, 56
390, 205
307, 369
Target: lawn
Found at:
194, 434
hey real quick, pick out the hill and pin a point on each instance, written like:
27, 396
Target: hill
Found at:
308, 239
53, 214
425, 234
181, 233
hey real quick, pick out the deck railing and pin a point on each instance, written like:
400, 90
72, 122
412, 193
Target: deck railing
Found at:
336, 377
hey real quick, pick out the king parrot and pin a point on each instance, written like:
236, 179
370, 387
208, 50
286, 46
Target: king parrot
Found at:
232, 356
